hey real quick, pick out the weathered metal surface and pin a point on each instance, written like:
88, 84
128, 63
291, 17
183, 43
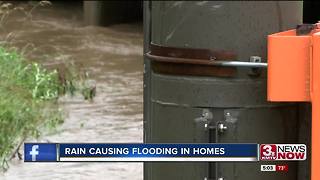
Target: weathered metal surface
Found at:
209, 92
182, 127
187, 124
253, 125
189, 69
237, 26
200, 57
191, 53
146, 81
198, 62
178, 101
187, 61
211, 62
146, 68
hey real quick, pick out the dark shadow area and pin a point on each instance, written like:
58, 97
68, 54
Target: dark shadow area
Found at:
311, 13
105, 13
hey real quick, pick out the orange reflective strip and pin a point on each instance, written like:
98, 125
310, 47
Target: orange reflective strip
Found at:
315, 99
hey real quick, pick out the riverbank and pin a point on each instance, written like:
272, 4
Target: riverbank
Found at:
28, 101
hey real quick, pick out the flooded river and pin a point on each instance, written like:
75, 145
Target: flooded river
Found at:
113, 58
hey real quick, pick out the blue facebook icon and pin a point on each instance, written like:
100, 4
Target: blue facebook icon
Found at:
34, 152
41, 152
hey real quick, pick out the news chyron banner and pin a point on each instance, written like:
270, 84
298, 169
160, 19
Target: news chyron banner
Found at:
125, 152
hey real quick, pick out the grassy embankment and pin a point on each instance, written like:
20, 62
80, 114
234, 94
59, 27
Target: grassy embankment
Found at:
28, 101
29, 93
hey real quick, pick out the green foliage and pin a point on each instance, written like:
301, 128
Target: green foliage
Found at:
28, 101
29, 92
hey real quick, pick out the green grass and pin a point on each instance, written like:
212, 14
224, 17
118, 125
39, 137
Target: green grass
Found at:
28, 101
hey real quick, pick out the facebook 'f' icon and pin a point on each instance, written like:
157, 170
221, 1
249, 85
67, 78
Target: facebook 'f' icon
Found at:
40, 152
34, 152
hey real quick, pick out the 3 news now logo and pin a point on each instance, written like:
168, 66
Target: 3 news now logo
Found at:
38, 152
283, 152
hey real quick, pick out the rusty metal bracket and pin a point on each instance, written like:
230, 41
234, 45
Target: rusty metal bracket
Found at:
199, 56
192, 61
224, 63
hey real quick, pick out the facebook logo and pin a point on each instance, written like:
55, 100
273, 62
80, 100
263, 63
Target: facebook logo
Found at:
34, 152
40, 152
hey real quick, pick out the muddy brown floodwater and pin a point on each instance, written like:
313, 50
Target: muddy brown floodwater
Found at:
113, 58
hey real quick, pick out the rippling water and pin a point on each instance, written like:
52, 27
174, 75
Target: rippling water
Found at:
113, 58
